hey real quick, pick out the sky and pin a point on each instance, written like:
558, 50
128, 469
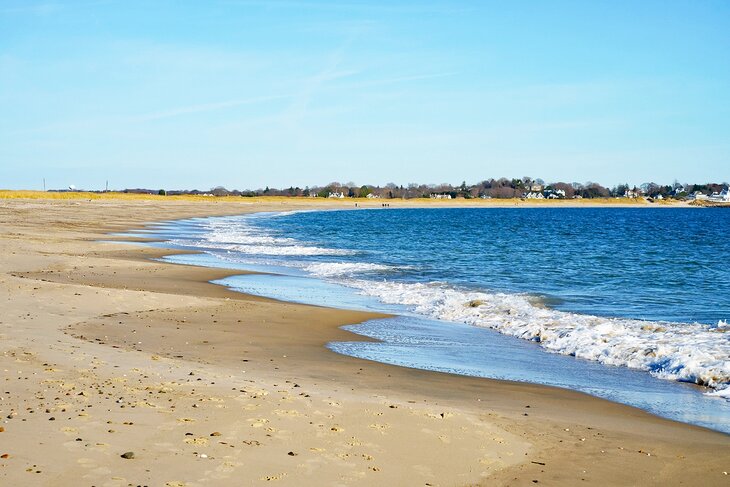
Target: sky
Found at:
248, 94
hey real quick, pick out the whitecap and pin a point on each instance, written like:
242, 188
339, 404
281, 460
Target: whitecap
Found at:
689, 352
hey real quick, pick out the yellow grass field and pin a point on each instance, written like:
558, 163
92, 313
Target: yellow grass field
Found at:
112, 195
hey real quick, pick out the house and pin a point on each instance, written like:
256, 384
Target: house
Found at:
534, 196
554, 194
536, 188
698, 195
721, 197
372, 195
630, 193
336, 195
436, 196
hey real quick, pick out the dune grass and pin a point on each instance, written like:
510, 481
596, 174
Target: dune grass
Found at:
113, 195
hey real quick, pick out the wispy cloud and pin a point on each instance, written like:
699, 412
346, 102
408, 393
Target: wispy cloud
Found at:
207, 107
298, 109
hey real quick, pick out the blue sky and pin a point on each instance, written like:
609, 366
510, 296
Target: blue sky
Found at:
246, 94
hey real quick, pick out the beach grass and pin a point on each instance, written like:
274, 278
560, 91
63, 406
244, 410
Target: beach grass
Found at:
118, 195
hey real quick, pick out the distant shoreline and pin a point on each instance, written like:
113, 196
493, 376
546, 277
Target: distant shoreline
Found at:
311, 202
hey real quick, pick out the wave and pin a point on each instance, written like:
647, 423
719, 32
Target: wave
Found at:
235, 235
261, 249
695, 353
243, 238
332, 269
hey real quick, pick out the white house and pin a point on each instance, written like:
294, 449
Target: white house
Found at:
721, 197
436, 196
336, 195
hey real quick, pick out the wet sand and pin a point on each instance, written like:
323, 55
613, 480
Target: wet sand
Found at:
106, 352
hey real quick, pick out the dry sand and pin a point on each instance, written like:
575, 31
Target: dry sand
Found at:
105, 352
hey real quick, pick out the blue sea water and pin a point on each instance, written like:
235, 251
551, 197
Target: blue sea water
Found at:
630, 304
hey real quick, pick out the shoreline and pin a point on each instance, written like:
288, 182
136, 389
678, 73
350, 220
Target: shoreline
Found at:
562, 435
716, 426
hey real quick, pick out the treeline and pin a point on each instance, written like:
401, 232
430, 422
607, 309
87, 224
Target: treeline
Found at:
489, 188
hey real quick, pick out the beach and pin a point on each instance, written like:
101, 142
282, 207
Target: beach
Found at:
122, 370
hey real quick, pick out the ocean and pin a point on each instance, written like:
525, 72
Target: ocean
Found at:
629, 304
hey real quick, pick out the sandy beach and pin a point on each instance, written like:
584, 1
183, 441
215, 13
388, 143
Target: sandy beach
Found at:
119, 370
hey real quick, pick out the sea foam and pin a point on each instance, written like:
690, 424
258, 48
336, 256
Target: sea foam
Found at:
694, 353
338, 269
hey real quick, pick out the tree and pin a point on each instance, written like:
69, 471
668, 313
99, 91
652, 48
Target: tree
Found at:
219, 191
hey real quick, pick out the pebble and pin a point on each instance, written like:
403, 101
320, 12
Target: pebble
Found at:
215, 433
128, 455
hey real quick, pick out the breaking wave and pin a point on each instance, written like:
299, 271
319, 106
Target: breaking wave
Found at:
339, 269
694, 353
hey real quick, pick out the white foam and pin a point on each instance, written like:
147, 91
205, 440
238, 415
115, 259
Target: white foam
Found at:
686, 352
286, 250
236, 235
332, 269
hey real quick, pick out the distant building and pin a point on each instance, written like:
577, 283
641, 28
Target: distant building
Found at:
721, 197
536, 188
336, 195
372, 195
437, 196
554, 194
698, 195
630, 193
534, 196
